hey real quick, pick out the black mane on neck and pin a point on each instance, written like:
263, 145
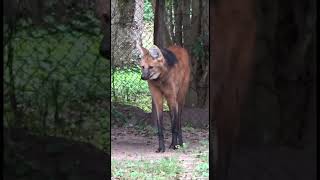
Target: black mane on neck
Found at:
170, 58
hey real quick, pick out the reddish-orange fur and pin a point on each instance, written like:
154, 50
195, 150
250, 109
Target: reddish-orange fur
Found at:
172, 84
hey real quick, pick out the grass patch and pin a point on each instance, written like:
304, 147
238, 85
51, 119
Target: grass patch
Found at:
128, 88
166, 168
202, 169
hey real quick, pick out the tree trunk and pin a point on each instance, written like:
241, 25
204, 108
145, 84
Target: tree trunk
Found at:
177, 22
126, 30
164, 30
186, 24
203, 84
192, 96
158, 23
170, 20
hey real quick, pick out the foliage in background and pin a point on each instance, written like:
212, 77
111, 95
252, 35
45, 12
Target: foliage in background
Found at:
148, 11
62, 85
128, 87
198, 49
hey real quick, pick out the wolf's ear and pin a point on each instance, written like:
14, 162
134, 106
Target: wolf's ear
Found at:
142, 50
156, 53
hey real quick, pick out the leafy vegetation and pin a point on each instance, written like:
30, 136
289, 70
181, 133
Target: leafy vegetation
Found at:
129, 89
202, 169
148, 12
62, 85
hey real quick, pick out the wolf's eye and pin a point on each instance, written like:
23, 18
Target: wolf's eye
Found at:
150, 67
142, 67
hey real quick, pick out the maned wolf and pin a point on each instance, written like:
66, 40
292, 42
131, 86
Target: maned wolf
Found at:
168, 74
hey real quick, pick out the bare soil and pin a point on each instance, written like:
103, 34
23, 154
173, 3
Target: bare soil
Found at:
128, 142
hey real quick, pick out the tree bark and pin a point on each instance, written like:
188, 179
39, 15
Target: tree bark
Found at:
192, 99
186, 23
164, 30
125, 31
170, 19
177, 22
158, 26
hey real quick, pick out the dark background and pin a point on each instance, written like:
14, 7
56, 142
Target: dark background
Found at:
276, 117
56, 90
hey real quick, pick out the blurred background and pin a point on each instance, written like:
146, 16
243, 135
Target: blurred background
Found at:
56, 84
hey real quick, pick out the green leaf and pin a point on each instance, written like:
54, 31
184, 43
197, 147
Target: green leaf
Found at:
62, 27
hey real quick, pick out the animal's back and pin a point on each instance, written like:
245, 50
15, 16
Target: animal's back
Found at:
182, 57
182, 70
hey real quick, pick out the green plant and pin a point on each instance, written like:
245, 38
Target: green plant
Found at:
166, 168
198, 48
61, 82
202, 169
147, 11
128, 88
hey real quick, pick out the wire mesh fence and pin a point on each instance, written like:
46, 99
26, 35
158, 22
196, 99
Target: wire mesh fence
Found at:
55, 81
134, 26
185, 24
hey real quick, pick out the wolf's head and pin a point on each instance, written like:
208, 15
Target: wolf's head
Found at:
152, 63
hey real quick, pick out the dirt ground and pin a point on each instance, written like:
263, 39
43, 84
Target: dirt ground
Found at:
130, 144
